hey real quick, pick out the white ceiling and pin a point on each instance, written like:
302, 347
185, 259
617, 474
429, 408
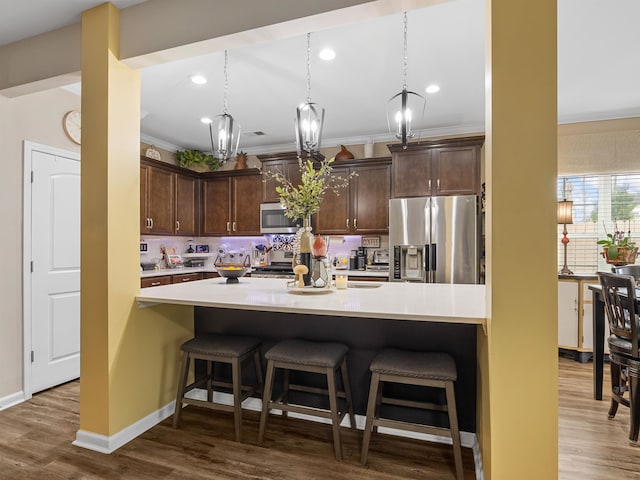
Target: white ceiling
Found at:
598, 73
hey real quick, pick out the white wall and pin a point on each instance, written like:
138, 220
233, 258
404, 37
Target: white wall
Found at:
37, 118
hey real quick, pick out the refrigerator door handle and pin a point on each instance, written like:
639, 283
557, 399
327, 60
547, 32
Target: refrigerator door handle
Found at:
426, 258
434, 257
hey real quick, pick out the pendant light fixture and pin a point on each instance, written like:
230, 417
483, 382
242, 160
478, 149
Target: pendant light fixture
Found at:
223, 129
309, 117
405, 109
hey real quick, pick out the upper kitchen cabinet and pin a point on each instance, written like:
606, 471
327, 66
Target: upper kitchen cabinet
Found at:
168, 199
284, 163
438, 167
157, 188
361, 208
231, 203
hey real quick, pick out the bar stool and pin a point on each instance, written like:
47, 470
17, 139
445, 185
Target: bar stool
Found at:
412, 368
315, 357
212, 348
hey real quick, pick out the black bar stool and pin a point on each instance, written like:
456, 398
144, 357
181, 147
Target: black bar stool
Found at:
316, 357
213, 348
413, 368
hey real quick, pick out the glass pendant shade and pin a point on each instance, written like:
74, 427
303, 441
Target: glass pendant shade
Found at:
405, 112
308, 124
225, 136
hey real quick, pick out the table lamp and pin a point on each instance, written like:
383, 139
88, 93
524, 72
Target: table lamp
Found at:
565, 208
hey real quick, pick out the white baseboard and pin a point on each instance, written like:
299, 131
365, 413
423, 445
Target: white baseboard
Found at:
108, 444
11, 400
104, 444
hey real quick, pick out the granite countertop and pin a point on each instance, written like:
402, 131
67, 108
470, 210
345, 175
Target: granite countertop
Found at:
395, 301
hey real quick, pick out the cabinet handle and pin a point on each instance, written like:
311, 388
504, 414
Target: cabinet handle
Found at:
228, 226
429, 187
151, 223
177, 225
438, 184
347, 224
155, 284
186, 279
234, 226
355, 223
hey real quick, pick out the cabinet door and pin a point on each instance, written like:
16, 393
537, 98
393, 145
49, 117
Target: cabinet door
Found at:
187, 277
568, 314
216, 206
269, 185
411, 174
334, 215
145, 225
456, 171
160, 198
246, 205
186, 205
587, 320
370, 199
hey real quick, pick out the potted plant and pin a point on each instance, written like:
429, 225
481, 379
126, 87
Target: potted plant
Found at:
190, 158
618, 249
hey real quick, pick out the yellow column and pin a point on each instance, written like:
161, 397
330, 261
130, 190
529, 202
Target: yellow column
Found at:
518, 357
128, 355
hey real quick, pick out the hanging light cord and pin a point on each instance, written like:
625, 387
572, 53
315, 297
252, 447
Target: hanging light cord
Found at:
309, 67
226, 81
404, 58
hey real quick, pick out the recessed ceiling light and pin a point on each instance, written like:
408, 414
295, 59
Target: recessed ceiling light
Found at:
206, 120
432, 89
198, 79
327, 54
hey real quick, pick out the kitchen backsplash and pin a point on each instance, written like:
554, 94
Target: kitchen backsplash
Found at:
235, 249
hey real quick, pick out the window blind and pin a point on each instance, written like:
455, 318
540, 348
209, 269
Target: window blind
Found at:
601, 204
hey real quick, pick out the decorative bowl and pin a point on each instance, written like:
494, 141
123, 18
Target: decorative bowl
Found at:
232, 272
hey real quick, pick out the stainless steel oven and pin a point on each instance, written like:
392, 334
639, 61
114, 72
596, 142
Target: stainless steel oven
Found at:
272, 220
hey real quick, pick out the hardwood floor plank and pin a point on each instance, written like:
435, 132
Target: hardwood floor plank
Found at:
36, 436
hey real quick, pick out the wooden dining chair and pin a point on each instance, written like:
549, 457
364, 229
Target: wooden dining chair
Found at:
619, 293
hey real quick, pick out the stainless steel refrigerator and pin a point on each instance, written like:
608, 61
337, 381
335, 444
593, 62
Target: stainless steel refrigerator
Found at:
434, 239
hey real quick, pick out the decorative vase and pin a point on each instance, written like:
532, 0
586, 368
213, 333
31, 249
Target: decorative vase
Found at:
344, 154
306, 241
241, 161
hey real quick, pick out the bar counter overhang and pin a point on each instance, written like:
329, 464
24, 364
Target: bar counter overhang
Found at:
422, 317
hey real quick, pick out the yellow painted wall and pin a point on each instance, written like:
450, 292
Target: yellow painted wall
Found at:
127, 352
518, 363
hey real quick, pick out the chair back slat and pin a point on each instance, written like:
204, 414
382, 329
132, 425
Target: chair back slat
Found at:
620, 306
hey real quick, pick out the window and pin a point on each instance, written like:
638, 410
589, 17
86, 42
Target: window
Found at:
601, 204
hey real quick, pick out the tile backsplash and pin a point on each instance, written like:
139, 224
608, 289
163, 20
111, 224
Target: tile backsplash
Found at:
235, 249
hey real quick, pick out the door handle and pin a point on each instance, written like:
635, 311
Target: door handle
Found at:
434, 257
426, 257
355, 223
151, 224
429, 187
438, 184
228, 226
186, 279
155, 284
234, 226
177, 225
347, 224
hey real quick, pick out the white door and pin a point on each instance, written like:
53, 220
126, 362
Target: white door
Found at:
55, 277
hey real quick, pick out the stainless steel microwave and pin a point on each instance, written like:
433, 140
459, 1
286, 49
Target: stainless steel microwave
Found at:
272, 220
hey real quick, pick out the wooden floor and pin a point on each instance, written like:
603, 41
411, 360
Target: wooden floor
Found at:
36, 436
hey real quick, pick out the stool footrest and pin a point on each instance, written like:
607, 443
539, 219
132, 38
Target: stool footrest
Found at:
316, 412
413, 427
209, 405
319, 391
415, 404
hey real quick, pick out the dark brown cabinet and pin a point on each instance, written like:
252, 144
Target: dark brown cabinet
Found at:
155, 281
231, 204
186, 207
361, 208
168, 200
157, 191
285, 164
439, 167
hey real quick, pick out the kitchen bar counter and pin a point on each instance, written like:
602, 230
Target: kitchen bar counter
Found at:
394, 301
421, 317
